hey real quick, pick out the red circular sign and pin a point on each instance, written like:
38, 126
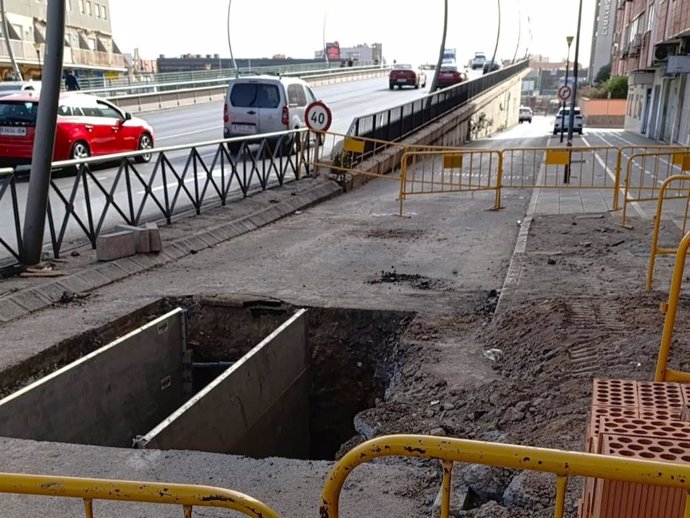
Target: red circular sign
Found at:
564, 92
318, 116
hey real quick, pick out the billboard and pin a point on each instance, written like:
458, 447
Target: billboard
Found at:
333, 51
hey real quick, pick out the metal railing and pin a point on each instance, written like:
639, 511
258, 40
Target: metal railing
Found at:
563, 464
178, 180
656, 250
395, 123
89, 489
670, 308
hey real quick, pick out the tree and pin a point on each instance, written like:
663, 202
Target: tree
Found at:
603, 75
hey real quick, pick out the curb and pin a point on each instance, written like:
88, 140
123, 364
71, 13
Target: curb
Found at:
43, 295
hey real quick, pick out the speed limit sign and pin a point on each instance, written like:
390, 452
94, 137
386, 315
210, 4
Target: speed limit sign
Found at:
318, 116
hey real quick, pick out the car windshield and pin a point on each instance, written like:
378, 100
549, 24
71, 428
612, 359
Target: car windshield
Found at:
18, 113
255, 95
449, 69
402, 67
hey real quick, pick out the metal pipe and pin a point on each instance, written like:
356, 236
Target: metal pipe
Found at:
44, 140
10, 52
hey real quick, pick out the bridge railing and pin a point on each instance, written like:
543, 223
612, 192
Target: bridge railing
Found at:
395, 123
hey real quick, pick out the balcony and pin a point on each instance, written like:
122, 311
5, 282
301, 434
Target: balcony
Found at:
25, 54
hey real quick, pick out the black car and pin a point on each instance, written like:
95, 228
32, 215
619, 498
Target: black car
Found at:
490, 66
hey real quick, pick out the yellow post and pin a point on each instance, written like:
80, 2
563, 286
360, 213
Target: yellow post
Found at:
561, 485
499, 181
686, 513
627, 183
445, 488
670, 318
617, 177
88, 508
403, 181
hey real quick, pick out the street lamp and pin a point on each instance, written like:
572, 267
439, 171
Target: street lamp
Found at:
569, 40
37, 46
232, 57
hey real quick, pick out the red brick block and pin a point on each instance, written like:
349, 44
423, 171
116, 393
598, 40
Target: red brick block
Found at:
659, 396
615, 393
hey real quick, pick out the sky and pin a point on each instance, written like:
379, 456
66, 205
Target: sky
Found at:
410, 30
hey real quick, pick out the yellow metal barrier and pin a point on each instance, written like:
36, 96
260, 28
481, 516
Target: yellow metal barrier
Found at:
450, 170
560, 168
563, 464
646, 172
187, 496
663, 373
656, 249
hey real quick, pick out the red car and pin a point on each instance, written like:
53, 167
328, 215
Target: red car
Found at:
406, 75
449, 75
86, 126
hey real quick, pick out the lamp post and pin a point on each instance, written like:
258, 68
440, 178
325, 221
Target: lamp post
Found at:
232, 57
37, 46
569, 40
498, 37
434, 81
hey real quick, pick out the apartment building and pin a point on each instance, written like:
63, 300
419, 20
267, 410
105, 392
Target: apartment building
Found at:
602, 37
652, 47
89, 46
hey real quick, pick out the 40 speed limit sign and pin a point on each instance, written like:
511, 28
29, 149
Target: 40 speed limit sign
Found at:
318, 116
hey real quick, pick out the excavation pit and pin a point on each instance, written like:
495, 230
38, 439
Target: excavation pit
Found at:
248, 377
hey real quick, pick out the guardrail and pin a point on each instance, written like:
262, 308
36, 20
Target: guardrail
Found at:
114, 91
179, 179
89, 489
563, 464
395, 123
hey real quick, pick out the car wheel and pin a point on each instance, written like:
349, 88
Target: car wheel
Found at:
391, 86
145, 142
580, 131
234, 147
416, 86
555, 132
80, 149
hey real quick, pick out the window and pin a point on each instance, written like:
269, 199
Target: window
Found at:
82, 8
255, 95
650, 17
88, 8
90, 111
310, 95
65, 111
296, 96
91, 42
108, 111
104, 12
18, 113
97, 9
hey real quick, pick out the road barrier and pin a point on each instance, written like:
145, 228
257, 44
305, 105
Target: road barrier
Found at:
657, 250
178, 180
646, 172
670, 308
90, 489
563, 464
447, 171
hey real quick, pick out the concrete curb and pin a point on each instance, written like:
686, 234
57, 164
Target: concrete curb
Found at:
23, 302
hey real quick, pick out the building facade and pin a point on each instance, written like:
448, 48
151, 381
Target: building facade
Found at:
652, 46
90, 50
602, 36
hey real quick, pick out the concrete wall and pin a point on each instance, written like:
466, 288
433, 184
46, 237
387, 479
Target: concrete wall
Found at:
107, 397
603, 113
257, 407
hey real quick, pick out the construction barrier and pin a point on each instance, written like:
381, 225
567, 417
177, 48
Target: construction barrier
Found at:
656, 250
670, 308
90, 489
563, 464
646, 172
447, 171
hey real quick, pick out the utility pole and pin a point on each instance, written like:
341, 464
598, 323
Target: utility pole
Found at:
434, 81
575, 70
10, 52
44, 139
569, 40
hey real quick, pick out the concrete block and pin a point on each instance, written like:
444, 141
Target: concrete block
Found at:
155, 243
141, 237
115, 246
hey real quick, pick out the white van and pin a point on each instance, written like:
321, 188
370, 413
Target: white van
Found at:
265, 104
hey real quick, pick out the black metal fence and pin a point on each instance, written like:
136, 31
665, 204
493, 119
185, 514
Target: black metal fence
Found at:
88, 197
395, 123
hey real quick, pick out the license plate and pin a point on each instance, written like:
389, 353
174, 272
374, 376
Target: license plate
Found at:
12, 131
245, 129
402, 80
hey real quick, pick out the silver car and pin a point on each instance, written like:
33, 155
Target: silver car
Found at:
265, 104
15, 87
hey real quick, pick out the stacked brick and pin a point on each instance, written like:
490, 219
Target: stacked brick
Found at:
642, 420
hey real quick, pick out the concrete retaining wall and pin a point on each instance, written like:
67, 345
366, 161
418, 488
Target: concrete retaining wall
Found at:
107, 397
257, 407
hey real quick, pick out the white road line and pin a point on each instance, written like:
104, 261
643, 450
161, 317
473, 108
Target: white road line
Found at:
635, 205
167, 137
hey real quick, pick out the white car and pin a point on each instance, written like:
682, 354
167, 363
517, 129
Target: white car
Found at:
564, 113
265, 104
15, 87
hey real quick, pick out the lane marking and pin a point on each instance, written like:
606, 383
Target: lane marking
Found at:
168, 137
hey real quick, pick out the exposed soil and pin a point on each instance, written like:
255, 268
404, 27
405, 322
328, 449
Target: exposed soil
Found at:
579, 312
